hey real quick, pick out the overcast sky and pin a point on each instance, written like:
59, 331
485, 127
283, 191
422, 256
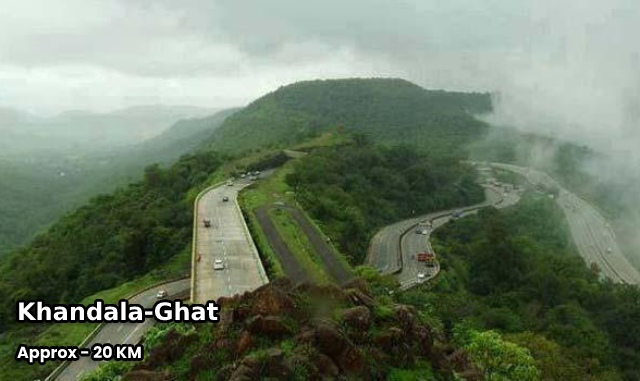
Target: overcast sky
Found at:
571, 66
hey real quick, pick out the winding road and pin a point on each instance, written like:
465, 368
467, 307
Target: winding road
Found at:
393, 248
593, 236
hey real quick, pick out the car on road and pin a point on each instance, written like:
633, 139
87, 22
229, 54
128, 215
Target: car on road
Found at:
161, 294
206, 223
609, 250
229, 183
218, 264
422, 276
422, 231
225, 199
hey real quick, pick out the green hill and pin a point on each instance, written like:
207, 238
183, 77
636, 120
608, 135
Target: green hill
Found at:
37, 189
391, 111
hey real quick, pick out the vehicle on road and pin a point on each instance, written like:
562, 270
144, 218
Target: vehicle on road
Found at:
218, 264
422, 231
425, 257
161, 294
225, 199
422, 276
457, 214
229, 183
609, 250
206, 223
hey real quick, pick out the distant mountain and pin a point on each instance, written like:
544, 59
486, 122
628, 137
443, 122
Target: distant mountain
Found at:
36, 189
392, 111
82, 131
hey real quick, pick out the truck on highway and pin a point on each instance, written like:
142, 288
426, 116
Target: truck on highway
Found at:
428, 258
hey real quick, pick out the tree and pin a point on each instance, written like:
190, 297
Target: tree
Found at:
499, 360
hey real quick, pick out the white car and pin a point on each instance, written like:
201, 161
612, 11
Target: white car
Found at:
609, 250
421, 276
161, 294
218, 264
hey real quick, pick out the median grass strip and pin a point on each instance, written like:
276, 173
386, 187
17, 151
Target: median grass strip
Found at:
299, 245
271, 192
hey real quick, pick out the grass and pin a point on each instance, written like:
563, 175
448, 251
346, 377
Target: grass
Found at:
299, 245
274, 189
268, 257
75, 333
327, 139
334, 250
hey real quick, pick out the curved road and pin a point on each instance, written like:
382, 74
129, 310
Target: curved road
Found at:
123, 333
393, 248
385, 250
412, 243
592, 234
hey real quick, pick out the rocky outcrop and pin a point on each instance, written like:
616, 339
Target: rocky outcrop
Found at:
358, 318
147, 375
308, 331
271, 326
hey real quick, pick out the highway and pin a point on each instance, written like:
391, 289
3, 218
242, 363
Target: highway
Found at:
229, 240
385, 249
593, 236
412, 243
123, 333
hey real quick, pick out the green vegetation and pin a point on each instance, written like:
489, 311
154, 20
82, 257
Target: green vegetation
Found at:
299, 245
116, 238
75, 333
497, 359
391, 111
266, 193
285, 332
517, 272
37, 188
353, 190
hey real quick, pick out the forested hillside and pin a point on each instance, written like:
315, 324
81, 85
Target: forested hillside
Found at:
109, 240
36, 189
355, 189
391, 111
516, 271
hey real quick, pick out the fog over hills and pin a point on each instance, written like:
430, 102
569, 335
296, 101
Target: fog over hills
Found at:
83, 131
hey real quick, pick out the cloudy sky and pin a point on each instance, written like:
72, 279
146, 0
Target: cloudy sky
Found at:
570, 66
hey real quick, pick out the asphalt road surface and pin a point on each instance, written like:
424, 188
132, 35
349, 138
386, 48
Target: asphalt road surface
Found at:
124, 333
229, 240
592, 234
385, 248
412, 243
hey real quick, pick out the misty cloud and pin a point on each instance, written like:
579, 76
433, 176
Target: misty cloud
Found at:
567, 68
